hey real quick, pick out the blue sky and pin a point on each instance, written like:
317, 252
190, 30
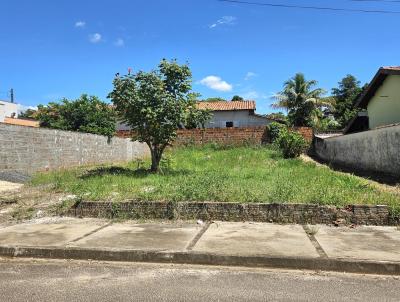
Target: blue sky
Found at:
54, 49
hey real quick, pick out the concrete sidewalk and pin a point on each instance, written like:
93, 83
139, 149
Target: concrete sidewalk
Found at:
6, 186
364, 249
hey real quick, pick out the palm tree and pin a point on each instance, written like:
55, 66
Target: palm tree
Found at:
301, 100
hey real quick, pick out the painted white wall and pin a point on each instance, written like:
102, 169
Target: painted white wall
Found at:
2, 113
384, 107
240, 118
9, 108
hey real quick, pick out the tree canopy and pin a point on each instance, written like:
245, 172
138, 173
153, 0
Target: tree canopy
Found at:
28, 114
345, 95
157, 103
236, 98
277, 116
85, 114
214, 99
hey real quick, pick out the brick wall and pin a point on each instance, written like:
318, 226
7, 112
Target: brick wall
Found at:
27, 149
254, 135
230, 211
221, 136
306, 132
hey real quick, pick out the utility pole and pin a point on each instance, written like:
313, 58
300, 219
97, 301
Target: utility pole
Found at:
12, 95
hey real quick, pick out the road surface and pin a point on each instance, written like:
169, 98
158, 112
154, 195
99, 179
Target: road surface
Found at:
62, 280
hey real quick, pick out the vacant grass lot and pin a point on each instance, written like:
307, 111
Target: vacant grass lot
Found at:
242, 174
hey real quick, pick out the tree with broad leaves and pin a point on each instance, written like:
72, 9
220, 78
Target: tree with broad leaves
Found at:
196, 118
85, 114
28, 114
237, 98
345, 95
156, 104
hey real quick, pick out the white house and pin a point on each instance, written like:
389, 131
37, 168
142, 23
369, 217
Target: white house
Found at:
226, 114
233, 114
8, 109
9, 115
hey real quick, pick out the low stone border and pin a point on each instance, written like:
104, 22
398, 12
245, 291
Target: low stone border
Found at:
190, 257
229, 211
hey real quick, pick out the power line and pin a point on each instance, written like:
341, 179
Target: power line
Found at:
313, 7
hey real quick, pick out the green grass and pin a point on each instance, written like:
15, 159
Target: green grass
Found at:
241, 174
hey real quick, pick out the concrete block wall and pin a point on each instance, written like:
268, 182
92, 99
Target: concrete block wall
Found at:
28, 150
375, 150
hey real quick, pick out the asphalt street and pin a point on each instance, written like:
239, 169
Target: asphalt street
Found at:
66, 280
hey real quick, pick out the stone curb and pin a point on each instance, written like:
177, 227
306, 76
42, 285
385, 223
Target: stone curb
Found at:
231, 211
323, 264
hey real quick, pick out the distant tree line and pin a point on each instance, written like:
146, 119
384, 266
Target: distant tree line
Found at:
235, 98
85, 114
306, 104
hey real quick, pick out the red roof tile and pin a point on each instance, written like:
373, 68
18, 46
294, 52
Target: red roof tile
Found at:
227, 106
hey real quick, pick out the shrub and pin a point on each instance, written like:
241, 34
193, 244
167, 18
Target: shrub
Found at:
274, 129
290, 143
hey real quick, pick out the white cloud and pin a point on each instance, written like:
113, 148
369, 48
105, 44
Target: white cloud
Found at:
225, 20
119, 42
249, 75
95, 38
23, 108
216, 83
80, 24
253, 95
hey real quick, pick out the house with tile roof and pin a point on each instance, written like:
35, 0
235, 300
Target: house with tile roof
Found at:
233, 114
8, 109
226, 114
9, 115
379, 104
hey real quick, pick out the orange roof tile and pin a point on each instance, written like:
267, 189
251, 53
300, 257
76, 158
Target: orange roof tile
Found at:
227, 106
21, 122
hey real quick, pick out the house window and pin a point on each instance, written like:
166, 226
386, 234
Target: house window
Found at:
229, 124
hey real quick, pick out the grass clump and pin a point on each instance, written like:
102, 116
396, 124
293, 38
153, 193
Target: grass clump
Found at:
235, 174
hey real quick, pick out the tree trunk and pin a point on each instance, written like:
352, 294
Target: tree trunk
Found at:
156, 154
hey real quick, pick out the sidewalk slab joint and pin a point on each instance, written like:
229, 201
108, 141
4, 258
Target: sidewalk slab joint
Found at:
315, 243
90, 233
196, 238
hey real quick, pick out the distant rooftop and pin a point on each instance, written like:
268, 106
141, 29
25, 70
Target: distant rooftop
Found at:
227, 106
391, 67
21, 122
363, 100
